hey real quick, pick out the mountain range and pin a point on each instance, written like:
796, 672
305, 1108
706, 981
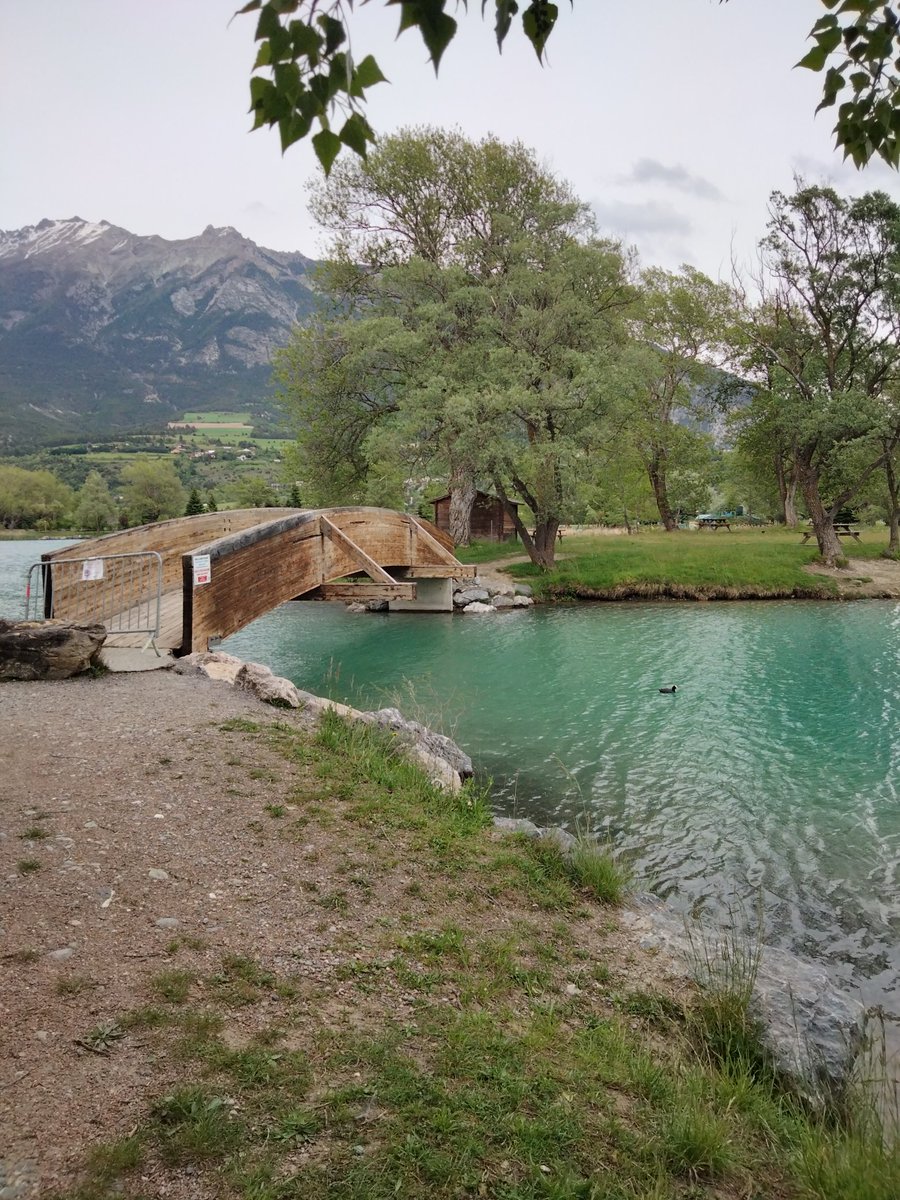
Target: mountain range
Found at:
102, 330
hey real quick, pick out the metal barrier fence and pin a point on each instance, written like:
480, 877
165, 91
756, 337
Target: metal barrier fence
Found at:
121, 591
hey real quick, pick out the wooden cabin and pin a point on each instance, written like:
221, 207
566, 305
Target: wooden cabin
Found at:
490, 520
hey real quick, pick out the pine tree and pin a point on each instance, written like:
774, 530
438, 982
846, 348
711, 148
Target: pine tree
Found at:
211, 505
294, 500
194, 505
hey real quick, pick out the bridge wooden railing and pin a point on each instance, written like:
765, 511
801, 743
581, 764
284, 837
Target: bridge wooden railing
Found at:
171, 539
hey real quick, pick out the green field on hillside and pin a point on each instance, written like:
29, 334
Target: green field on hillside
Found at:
207, 418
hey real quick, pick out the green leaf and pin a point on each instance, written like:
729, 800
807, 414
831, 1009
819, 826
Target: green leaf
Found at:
815, 60
335, 33
287, 81
538, 21
268, 23
264, 56
506, 10
356, 133
368, 73
327, 145
436, 28
834, 81
305, 41
292, 129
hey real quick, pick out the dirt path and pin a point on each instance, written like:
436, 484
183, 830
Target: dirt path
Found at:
124, 809
864, 578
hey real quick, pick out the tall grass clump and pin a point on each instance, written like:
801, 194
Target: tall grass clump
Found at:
860, 1160
593, 867
724, 1028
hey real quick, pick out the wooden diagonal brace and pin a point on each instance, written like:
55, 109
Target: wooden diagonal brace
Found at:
421, 533
359, 556
446, 559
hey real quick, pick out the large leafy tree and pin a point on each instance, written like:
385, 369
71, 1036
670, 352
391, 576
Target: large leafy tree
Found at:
32, 499
678, 329
152, 490
458, 215
488, 357
96, 509
307, 78
825, 344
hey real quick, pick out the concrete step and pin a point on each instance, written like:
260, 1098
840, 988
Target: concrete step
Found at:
129, 658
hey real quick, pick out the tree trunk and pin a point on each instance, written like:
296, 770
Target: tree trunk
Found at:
627, 520
541, 547
787, 492
544, 550
656, 469
893, 483
462, 501
828, 541
791, 519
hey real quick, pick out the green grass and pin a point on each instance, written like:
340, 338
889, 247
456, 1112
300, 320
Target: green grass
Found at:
173, 986
445, 1052
762, 562
482, 552
595, 869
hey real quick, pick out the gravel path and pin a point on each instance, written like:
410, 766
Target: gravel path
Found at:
124, 817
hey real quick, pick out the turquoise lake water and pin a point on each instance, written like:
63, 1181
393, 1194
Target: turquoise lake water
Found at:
773, 772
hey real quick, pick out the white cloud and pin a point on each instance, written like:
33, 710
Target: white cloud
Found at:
650, 170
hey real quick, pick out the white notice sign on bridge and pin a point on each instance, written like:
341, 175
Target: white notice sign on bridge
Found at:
92, 568
202, 569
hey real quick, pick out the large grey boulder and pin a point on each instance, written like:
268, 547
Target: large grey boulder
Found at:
502, 601
414, 734
268, 687
471, 595
48, 649
549, 833
523, 589
478, 607
214, 663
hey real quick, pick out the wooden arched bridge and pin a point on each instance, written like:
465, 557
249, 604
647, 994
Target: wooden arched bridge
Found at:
184, 583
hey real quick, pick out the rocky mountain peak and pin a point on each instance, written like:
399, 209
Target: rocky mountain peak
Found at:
96, 322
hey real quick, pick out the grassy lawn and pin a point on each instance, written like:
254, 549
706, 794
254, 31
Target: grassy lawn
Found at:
478, 1035
482, 552
752, 562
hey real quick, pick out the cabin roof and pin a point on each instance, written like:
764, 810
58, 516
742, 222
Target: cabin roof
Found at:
478, 496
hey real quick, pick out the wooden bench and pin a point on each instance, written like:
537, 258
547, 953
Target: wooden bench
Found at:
841, 528
714, 523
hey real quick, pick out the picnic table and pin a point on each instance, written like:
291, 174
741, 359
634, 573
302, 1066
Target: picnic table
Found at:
713, 523
841, 528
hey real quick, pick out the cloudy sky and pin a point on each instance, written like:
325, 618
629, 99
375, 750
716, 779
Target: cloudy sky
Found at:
674, 120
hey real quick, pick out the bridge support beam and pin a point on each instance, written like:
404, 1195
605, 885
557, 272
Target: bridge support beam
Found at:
432, 595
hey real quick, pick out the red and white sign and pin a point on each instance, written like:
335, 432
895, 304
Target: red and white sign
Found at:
202, 569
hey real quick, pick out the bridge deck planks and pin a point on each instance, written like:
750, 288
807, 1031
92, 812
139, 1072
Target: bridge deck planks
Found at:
170, 620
